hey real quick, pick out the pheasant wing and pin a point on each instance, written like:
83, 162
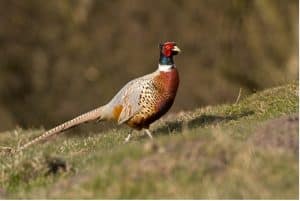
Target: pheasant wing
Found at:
130, 95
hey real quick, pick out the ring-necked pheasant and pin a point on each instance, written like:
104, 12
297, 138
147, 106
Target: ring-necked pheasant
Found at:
138, 104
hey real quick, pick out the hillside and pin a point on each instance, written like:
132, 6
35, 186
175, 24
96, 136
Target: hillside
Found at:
248, 149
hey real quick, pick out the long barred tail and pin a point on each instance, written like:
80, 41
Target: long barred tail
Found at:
89, 116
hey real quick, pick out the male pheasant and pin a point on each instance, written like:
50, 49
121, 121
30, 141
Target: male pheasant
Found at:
138, 104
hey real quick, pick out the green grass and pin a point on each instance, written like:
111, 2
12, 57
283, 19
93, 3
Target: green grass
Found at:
244, 150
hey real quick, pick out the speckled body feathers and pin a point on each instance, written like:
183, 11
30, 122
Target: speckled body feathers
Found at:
156, 99
144, 100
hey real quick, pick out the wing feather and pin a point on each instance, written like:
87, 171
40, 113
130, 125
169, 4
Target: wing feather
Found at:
129, 97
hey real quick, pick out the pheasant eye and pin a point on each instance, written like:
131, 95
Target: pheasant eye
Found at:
169, 46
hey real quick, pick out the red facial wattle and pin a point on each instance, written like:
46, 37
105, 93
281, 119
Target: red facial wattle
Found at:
167, 49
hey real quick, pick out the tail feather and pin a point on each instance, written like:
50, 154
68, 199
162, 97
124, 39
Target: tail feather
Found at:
84, 118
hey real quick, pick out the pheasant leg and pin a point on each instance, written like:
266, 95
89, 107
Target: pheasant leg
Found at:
147, 131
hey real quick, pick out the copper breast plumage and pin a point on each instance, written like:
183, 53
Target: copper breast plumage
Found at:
155, 99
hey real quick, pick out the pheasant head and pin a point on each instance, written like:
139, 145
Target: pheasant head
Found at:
167, 51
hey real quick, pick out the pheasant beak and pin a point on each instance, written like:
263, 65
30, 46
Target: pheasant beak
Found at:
176, 49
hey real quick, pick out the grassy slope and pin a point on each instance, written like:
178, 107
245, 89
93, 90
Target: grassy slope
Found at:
226, 151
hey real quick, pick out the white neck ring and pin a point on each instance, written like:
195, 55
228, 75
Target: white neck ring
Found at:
165, 68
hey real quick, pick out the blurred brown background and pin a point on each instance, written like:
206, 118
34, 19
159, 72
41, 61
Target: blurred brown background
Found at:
62, 58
